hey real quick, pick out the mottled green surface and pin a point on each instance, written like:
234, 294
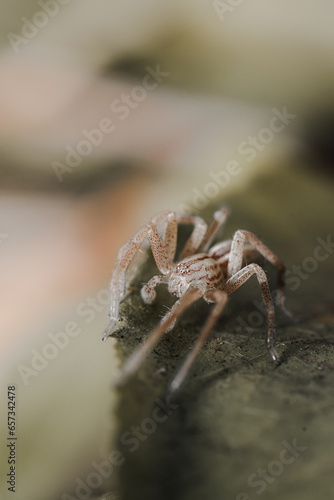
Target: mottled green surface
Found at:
237, 411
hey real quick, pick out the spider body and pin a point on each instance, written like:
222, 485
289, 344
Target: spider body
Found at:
201, 271
211, 273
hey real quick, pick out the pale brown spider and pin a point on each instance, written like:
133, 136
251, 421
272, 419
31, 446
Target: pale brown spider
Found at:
212, 273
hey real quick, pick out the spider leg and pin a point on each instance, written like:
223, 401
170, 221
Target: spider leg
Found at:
220, 298
239, 279
196, 237
148, 290
165, 325
219, 218
236, 256
170, 233
221, 250
202, 235
163, 252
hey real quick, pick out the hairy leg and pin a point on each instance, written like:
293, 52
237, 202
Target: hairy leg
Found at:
221, 250
197, 235
165, 325
168, 218
219, 218
202, 235
163, 252
220, 298
240, 238
239, 279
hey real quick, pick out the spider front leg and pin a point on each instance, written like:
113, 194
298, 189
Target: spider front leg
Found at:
163, 252
220, 299
197, 235
202, 235
165, 325
236, 256
219, 218
239, 279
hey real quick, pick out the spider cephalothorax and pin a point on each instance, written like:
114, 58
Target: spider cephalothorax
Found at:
211, 273
201, 271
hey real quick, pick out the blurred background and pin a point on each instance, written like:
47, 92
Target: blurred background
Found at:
109, 113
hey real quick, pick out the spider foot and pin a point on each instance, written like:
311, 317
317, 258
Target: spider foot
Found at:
171, 395
274, 356
128, 368
175, 386
109, 328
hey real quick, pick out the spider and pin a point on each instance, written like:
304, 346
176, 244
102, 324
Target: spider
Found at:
211, 273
